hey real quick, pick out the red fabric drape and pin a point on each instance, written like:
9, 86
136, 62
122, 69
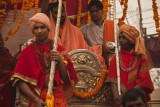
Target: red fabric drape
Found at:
6, 67
72, 9
32, 72
139, 75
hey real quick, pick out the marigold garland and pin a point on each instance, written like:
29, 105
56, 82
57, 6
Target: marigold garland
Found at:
89, 17
29, 4
3, 5
121, 20
36, 6
122, 2
26, 5
95, 90
156, 17
105, 8
15, 11
64, 3
50, 1
79, 13
19, 23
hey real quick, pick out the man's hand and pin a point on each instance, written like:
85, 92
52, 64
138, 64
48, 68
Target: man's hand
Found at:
108, 47
40, 103
117, 101
55, 56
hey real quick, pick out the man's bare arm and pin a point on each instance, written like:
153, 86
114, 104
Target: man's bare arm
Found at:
63, 72
117, 97
25, 89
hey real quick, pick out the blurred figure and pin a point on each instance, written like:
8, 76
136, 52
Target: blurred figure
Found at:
7, 92
134, 98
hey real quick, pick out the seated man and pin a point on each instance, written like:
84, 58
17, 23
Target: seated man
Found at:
70, 36
32, 71
135, 63
134, 98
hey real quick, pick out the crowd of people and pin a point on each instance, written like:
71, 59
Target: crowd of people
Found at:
31, 72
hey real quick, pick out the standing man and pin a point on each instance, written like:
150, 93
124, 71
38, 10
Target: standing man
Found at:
32, 71
70, 36
135, 63
99, 30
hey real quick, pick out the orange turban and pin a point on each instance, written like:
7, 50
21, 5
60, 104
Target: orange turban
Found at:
132, 34
40, 17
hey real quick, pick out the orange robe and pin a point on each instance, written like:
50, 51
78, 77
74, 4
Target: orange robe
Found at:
108, 31
72, 39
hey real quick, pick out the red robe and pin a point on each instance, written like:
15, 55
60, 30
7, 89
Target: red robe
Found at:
28, 70
6, 68
138, 75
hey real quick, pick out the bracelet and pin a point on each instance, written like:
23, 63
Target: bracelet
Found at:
36, 100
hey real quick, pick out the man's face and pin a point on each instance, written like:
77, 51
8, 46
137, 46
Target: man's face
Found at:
96, 14
41, 32
136, 103
63, 14
124, 42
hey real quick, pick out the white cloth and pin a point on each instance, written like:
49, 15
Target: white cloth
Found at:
93, 34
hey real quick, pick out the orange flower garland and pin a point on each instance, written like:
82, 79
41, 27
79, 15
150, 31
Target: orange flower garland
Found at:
79, 13
50, 1
19, 23
105, 8
89, 17
15, 11
121, 20
64, 3
26, 5
36, 6
122, 2
156, 17
29, 4
3, 5
95, 90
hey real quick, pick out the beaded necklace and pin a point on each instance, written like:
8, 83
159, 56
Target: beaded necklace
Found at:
130, 67
46, 64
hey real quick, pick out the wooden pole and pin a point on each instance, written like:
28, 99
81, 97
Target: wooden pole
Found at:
53, 63
116, 48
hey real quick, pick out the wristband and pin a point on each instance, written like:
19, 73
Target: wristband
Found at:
36, 100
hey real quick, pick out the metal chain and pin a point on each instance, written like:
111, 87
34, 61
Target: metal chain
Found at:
131, 67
